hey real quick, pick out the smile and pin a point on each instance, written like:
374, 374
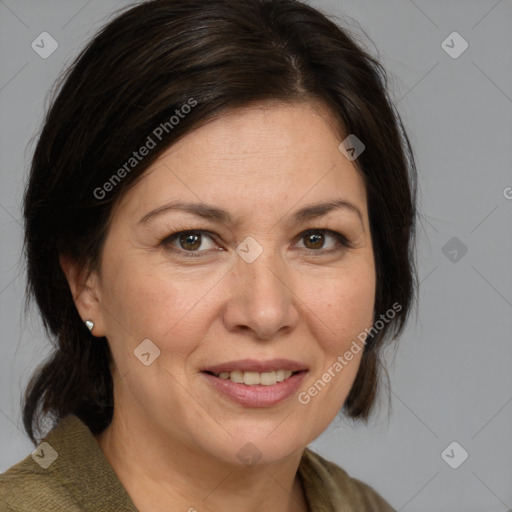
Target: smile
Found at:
254, 389
255, 378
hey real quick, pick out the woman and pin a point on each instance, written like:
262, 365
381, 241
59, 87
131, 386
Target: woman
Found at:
219, 228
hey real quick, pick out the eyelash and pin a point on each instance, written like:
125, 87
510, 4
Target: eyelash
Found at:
342, 242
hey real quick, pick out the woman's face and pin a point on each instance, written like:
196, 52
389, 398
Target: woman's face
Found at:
260, 276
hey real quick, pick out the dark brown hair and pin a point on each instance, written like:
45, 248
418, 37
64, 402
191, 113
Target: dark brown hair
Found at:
131, 78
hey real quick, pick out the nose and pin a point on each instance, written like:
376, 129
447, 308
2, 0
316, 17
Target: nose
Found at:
263, 301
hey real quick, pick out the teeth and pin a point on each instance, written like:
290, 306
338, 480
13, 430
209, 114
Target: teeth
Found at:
280, 375
255, 378
267, 378
251, 378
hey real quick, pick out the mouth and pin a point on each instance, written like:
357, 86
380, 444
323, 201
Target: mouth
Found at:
255, 378
254, 383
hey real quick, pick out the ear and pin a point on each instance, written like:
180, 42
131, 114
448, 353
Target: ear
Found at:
85, 292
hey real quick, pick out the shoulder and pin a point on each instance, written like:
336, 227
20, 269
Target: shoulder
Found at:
22, 486
38, 478
67, 472
335, 489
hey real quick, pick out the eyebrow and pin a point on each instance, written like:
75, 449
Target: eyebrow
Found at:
220, 215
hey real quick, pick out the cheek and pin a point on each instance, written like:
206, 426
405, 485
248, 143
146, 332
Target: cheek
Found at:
145, 301
343, 308
339, 311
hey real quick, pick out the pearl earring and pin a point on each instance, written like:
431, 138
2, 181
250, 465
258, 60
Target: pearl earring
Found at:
89, 324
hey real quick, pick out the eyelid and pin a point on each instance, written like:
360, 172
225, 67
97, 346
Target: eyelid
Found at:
167, 242
342, 241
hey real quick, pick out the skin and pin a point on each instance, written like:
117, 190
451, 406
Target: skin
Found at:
174, 439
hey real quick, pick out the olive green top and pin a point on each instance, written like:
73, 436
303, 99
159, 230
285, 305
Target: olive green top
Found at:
68, 472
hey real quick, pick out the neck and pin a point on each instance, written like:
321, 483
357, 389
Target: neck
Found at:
165, 474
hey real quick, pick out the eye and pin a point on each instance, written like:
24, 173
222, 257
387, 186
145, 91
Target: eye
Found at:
193, 243
315, 240
189, 242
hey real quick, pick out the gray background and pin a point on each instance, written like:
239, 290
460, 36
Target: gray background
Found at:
451, 376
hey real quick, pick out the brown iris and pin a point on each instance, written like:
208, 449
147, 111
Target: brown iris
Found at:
316, 239
193, 241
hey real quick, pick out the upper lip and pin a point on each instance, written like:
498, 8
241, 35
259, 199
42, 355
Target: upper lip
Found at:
253, 365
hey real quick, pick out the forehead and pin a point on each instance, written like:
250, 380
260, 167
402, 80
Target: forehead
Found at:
259, 158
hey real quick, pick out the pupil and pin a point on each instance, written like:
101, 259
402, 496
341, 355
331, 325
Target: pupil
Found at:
191, 240
316, 239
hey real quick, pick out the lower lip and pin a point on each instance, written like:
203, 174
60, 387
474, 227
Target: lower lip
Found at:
258, 395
